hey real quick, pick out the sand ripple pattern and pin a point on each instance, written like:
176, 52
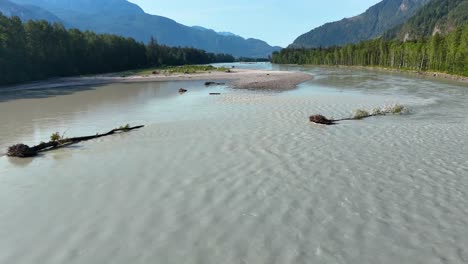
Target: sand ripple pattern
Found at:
244, 178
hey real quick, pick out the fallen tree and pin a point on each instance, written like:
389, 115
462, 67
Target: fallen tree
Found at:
56, 142
361, 114
213, 83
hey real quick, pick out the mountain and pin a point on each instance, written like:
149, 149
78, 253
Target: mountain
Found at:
96, 7
438, 16
371, 24
26, 12
229, 34
127, 19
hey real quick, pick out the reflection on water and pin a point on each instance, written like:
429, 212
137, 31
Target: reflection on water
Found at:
242, 177
85, 110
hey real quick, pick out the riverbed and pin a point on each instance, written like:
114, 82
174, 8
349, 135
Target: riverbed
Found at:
240, 177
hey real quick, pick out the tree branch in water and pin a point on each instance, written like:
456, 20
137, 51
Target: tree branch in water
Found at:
361, 114
24, 151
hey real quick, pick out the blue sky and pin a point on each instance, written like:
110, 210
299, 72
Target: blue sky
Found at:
278, 22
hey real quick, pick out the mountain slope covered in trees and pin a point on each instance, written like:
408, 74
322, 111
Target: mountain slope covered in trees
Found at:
434, 39
27, 12
371, 24
440, 53
37, 49
438, 16
126, 19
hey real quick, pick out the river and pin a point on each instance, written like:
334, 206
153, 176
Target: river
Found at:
242, 177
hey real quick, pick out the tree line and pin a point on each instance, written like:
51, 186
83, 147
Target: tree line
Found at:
37, 50
441, 53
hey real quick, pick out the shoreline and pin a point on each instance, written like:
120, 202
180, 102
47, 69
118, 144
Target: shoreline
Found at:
236, 78
432, 74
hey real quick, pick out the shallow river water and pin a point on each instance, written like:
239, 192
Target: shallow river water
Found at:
239, 178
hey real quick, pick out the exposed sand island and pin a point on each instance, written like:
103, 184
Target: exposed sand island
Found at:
236, 78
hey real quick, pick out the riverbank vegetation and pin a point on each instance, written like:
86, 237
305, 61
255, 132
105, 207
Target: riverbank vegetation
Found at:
183, 69
37, 50
439, 53
245, 59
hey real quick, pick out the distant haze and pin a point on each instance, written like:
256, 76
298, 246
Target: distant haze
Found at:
277, 22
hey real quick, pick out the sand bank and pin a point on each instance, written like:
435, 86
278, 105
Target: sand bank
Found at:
236, 78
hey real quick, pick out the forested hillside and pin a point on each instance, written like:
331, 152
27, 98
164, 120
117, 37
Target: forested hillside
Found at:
438, 16
371, 24
37, 50
123, 18
26, 12
441, 53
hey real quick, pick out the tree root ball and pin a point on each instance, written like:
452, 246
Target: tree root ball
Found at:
21, 151
320, 119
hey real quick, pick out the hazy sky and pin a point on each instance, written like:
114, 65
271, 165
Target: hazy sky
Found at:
278, 22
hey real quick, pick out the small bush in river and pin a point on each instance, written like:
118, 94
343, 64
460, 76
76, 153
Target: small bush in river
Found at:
55, 136
359, 114
398, 109
127, 126
377, 111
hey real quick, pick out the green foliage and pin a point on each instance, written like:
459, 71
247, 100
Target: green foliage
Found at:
127, 126
193, 69
395, 109
124, 18
440, 53
37, 49
377, 111
161, 55
56, 137
186, 69
359, 114
246, 59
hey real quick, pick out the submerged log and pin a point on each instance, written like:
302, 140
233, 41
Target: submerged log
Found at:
24, 151
215, 93
320, 119
213, 83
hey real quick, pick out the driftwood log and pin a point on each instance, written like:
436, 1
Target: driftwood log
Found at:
213, 83
361, 114
320, 119
24, 151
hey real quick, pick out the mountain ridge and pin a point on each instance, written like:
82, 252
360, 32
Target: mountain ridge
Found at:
129, 20
438, 16
27, 12
374, 22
